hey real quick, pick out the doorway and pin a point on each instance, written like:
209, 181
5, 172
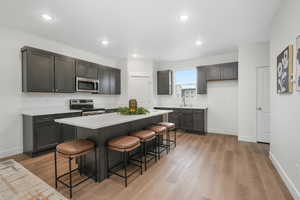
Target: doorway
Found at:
263, 104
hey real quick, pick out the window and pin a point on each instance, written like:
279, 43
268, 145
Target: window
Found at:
185, 85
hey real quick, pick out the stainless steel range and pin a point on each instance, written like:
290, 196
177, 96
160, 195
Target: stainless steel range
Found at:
87, 107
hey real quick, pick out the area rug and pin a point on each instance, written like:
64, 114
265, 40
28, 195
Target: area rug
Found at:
17, 183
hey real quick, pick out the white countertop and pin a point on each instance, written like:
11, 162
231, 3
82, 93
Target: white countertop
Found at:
187, 107
108, 119
47, 111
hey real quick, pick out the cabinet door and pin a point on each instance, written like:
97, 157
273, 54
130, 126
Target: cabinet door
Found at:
186, 120
236, 70
115, 81
227, 71
174, 118
40, 71
112, 81
164, 82
86, 69
64, 74
201, 80
198, 120
47, 135
117, 74
213, 73
68, 133
104, 79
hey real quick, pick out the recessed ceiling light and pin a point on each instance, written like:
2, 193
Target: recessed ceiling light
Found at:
134, 55
47, 17
184, 18
199, 43
104, 42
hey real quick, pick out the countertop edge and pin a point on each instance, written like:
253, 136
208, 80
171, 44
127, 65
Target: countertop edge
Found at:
66, 121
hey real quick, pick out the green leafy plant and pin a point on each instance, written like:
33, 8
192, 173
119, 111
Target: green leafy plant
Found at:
126, 111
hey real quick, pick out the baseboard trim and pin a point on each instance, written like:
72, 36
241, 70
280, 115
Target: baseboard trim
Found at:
222, 131
247, 139
286, 179
10, 152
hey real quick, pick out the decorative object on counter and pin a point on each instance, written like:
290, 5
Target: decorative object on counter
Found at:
298, 63
18, 183
133, 105
128, 111
285, 71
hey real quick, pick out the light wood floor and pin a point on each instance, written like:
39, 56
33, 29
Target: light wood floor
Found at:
212, 167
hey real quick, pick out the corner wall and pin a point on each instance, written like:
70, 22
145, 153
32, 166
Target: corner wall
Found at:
285, 131
250, 57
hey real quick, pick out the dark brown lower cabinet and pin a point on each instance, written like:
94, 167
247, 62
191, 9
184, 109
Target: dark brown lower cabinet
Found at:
189, 120
186, 119
47, 135
174, 117
41, 133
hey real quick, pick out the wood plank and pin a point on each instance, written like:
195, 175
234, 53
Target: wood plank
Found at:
212, 167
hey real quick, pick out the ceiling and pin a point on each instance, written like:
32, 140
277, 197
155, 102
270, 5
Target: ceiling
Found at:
149, 28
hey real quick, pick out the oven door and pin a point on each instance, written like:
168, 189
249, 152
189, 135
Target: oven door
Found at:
87, 85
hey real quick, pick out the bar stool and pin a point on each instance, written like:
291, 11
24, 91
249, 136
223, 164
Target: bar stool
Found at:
160, 131
125, 145
71, 150
171, 128
146, 136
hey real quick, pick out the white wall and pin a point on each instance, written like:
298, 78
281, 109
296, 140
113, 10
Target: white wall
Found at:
221, 98
250, 57
285, 132
140, 81
13, 101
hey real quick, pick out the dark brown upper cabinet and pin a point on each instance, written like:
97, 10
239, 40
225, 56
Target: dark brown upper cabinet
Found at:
165, 82
110, 80
104, 79
64, 74
219, 72
37, 70
86, 69
201, 80
115, 81
44, 71
229, 71
213, 73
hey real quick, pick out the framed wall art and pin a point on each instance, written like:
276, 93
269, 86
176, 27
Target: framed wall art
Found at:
285, 71
297, 78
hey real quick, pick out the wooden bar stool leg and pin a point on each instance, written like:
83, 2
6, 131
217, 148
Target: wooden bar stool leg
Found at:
55, 168
70, 177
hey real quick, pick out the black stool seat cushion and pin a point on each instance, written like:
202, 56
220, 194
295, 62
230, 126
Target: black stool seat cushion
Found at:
76, 147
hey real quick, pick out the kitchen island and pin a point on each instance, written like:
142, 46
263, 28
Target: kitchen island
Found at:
101, 128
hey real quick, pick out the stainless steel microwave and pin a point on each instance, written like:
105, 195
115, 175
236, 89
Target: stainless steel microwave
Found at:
87, 85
